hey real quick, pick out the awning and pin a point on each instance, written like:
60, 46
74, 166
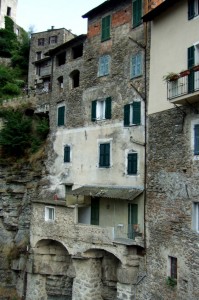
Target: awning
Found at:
116, 192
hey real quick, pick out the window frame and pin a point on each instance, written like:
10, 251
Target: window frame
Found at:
106, 28
104, 163
193, 9
53, 39
101, 109
61, 119
173, 267
128, 171
104, 65
195, 217
131, 114
67, 153
41, 41
136, 66
137, 13
47, 210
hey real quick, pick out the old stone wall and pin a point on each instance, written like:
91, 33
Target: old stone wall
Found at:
172, 190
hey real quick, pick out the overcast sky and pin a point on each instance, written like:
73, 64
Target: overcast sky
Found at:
42, 14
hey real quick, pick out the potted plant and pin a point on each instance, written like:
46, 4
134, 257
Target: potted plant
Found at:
171, 76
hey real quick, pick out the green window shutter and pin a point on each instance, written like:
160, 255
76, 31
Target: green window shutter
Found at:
67, 154
191, 9
61, 116
191, 62
106, 22
95, 211
132, 164
104, 159
196, 139
127, 115
132, 219
93, 110
136, 113
108, 108
137, 12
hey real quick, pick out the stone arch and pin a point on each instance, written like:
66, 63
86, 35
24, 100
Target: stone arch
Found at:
53, 272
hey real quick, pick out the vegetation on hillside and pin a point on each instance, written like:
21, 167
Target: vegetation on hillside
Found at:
16, 48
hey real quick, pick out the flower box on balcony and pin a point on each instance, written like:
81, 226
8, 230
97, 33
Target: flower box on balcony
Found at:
184, 73
195, 68
171, 77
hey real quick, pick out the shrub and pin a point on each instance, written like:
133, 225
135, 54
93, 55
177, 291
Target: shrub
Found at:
11, 89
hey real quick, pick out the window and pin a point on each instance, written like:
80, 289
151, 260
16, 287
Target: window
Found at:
101, 109
49, 213
106, 26
75, 75
53, 39
60, 83
38, 70
132, 114
95, 208
173, 267
38, 55
196, 216
196, 139
104, 155
137, 12
61, 59
8, 11
77, 51
67, 154
136, 65
61, 116
41, 42
104, 65
132, 159
193, 8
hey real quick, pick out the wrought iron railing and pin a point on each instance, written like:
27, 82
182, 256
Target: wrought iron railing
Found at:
183, 85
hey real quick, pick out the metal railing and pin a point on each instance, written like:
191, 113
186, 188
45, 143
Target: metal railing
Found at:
183, 85
127, 231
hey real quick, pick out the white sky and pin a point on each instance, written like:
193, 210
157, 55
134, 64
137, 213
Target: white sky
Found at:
42, 14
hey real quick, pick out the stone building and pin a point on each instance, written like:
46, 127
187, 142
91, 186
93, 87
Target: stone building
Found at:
39, 74
172, 152
8, 8
87, 227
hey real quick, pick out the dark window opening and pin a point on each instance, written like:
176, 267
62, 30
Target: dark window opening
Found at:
75, 78
67, 153
173, 267
60, 83
77, 51
104, 155
41, 42
8, 11
61, 59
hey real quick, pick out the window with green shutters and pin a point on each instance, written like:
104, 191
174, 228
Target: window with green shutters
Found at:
132, 114
193, 9
191, 62
61, 116
132, 163
136, 65
104, 65
67, 154
106, 28
101, 109
137, 12
196, 139
104, 155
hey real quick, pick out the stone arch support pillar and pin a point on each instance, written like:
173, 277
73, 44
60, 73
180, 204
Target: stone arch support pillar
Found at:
87, 283
127, 279
125, 291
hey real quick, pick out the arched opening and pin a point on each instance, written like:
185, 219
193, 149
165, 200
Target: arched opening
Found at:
52, 271
75, 77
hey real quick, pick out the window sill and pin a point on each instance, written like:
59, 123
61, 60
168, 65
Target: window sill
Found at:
136, 76
104, 40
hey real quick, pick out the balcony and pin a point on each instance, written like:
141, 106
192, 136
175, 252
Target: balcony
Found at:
184, 89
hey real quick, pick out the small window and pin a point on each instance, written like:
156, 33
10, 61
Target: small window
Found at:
193, 9
61, 116
137, 12
196, 139
67, 154
132, 162
101, 109
132, 114
77, 51
38, 70
106, 26
41, 42
49, 213
53, 39
104, 65
196, 217
136, 65
104, 155
60, 83
8, 11
61, 59
75, 75
38, 55
173, 267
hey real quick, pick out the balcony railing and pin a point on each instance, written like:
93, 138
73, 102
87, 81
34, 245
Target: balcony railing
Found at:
183, 85
127, 231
